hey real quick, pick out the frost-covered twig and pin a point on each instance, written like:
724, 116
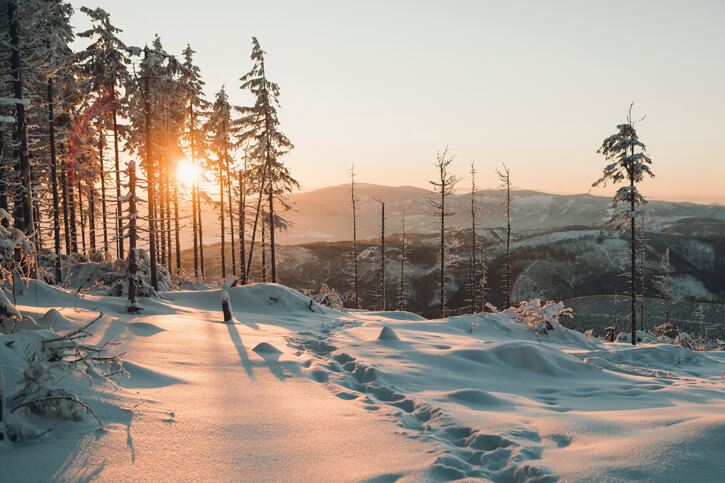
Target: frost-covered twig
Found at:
73, 400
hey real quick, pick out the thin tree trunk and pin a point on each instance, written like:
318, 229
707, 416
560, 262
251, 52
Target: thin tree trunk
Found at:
119, 206
221, 207
633, 254
442, 281
195, 230
508, 241
194, 197
151, 181
54, 183
82, 218
264, 251
401, 296
256, 217
201, 230
132, 305
72, 206
231, 214
103, 194
24, 206
92, 218
167, 191
66, 213
273, 253
242, 223
176, 228
383, 287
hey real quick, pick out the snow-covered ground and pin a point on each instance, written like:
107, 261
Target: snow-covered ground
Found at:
292, 391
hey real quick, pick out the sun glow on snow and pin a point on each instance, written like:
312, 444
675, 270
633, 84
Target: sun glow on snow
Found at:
187, 173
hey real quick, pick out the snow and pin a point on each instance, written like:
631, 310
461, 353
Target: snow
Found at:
299, 392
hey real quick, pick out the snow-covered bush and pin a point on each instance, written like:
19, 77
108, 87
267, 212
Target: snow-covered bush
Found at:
45, 361
111, 278
541, 318
328, 297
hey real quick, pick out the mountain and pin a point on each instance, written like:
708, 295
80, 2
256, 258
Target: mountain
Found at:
326, 214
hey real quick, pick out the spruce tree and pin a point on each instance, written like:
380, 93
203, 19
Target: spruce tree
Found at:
258, 129
192, 84
628, 163
104, 65
218, 127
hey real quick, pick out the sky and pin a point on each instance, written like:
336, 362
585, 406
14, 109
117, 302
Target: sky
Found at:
536, 85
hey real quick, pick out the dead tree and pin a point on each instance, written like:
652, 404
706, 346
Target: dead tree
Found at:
444, 186
505, 177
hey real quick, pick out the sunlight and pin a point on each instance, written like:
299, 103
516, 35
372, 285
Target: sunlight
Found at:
187, 172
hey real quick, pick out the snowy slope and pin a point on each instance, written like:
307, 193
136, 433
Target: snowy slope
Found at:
293, 391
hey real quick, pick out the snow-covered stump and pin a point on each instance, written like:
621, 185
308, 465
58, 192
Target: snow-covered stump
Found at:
226, 307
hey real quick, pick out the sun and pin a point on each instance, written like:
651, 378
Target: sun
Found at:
187, 173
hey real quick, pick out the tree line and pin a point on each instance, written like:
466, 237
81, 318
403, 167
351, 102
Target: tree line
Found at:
67, 117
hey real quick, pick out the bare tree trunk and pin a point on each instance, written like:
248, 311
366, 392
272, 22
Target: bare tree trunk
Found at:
103, 193
176, 228
264, 251
54, 183
66, 214
383, 285
132, 304
401, 296
242, 226
92, 218
633, 254
201, 230
231, 214
195, 228
256, 216
273, 256
353, 199
82, 218
72, 206
119, 206
24, 207
151, 181
221, 207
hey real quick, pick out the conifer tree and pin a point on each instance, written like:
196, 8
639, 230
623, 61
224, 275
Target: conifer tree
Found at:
258, 129
218, 128
104, 65
190, 79
628, 163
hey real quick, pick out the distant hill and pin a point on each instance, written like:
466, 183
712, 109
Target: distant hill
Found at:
325, 214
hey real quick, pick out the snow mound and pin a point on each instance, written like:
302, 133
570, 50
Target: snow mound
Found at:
388, 334
144, 329
266, 348
140, 376
476, 399
398, 315
54, 320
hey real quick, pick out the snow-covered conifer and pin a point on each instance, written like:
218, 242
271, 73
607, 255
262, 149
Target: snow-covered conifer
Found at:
628, 163
258, 129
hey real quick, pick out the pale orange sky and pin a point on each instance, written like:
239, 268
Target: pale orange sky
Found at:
536, 85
